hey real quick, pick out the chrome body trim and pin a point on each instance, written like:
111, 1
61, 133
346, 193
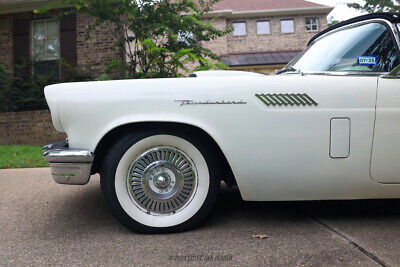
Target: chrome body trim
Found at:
58, 145
345, 73
395, 77
68, 155
185, 102
68, 165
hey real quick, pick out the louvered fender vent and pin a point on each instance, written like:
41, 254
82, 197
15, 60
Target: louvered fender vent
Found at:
287, 99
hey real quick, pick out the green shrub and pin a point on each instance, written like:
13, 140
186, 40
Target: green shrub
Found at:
25, 90
75, 73
4, 79
103, 77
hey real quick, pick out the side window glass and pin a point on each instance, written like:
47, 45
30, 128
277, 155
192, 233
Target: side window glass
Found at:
386, 52
365, 48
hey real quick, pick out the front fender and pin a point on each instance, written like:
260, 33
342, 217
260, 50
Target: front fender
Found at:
120, 122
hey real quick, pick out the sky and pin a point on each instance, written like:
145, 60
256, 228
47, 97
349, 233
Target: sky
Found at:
341, 11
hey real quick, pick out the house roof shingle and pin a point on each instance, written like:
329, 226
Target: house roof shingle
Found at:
21, 2
240, 5
15, 6
11, 1
233, 6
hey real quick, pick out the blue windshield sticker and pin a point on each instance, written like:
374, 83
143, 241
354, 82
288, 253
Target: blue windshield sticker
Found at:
367, 61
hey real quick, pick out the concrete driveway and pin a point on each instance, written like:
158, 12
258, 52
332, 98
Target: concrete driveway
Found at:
45, 223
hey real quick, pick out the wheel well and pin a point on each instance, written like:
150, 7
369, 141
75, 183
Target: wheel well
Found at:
106, 142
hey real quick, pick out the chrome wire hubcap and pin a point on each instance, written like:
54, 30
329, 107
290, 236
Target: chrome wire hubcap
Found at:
162, 180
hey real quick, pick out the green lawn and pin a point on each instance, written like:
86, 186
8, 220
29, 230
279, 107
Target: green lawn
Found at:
21, 157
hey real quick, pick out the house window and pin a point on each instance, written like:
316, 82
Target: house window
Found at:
263, 27
311, 25
287, 26
239, 28
184, 36
46, 47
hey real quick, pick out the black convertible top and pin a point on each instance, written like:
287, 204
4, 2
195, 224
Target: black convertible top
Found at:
392, 17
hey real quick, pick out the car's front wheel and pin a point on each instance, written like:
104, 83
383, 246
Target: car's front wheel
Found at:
159, 181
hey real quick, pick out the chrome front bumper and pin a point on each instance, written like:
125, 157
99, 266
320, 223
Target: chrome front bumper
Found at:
68, 165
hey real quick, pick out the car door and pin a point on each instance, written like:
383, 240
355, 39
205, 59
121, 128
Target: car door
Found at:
310, 137
385, 161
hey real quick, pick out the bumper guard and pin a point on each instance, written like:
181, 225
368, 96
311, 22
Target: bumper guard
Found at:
68, 165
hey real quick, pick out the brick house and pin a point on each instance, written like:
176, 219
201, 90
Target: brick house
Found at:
24, 34
267, 34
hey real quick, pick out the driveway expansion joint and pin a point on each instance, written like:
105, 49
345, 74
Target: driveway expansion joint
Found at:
363, 250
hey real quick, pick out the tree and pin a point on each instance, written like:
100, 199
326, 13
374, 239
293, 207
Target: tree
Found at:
373, 6
159, 37
332, 21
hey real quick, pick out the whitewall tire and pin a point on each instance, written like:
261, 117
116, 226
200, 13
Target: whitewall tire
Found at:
159, 181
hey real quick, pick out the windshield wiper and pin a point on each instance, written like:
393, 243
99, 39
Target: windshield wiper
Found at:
289, 69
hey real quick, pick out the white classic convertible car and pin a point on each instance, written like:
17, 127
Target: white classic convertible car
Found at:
326, 127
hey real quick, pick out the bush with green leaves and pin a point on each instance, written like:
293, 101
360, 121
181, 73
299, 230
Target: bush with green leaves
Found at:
25, 91
4, 79
80, 73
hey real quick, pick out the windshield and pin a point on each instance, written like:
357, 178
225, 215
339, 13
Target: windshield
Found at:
365, 48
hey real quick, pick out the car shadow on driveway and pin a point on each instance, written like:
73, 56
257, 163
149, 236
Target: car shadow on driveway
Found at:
230, 202
86, 206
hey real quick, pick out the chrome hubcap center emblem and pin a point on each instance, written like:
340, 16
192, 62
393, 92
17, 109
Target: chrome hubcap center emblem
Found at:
162, 180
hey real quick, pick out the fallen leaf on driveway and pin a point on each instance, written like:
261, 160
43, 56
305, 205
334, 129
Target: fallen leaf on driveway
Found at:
260, 236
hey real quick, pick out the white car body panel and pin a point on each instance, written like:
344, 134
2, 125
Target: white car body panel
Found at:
275, 152
385, 167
